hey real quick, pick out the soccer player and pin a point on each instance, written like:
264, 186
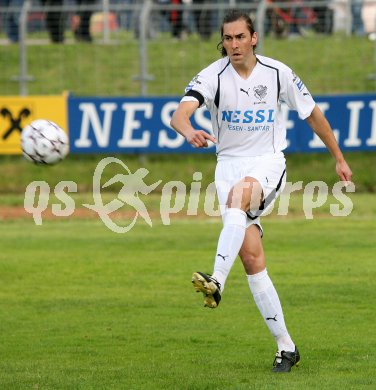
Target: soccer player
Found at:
243, 92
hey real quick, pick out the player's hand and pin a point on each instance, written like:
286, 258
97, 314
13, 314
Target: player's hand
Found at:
199, 139
344, 171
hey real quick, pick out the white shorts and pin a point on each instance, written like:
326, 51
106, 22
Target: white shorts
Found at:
269, 171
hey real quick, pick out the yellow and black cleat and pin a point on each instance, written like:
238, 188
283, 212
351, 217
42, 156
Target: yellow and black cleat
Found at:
209, 287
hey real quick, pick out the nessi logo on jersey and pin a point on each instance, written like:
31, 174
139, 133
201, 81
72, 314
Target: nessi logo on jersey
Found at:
249, 120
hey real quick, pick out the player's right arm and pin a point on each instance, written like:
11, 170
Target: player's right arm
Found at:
181, 123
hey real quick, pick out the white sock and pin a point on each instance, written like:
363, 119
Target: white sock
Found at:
229, 243
267, 301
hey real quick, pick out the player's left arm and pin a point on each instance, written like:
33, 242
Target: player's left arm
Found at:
322, 128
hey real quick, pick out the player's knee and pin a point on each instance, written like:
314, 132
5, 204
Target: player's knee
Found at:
253, 261
238, 196
250, 257
245, 195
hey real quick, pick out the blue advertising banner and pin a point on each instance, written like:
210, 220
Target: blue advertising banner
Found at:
141, 125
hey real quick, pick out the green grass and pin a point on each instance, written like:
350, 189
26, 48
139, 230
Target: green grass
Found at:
109, 70
17, 173
323, 64
84, 308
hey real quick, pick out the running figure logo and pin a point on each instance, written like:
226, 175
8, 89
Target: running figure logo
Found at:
132, 185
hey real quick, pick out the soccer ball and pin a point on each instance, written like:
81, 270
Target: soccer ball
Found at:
44, 142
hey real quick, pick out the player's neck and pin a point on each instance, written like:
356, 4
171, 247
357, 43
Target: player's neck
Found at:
245, 69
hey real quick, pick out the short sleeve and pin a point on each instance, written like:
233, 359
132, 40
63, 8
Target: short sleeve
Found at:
204, 85
295, 94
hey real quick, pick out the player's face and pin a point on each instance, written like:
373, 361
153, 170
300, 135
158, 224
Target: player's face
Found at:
238, 41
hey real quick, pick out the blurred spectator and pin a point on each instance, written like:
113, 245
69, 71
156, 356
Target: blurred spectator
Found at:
324, 19
82, 32
357, 27
11, 18
202, 18
165, 15
176, 18
55, 21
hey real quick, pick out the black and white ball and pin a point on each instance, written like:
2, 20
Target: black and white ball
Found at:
44, 142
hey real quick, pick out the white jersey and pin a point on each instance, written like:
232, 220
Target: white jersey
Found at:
246, 113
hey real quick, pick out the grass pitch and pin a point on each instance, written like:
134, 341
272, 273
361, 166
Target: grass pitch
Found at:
110, 69
85, 308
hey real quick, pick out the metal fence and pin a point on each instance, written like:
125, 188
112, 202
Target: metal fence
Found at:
154, 47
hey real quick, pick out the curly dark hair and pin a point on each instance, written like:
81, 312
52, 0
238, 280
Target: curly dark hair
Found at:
232, 16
